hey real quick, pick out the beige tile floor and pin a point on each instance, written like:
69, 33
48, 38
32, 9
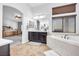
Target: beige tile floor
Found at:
28, 50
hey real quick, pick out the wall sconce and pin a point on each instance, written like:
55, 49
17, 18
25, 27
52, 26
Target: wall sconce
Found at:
18, 17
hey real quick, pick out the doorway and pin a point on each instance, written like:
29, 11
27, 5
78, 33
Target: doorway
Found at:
12, 22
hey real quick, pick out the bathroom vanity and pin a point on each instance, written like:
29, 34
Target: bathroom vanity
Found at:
37, 36
5, 47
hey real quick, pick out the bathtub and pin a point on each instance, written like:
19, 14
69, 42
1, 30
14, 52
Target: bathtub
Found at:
68, 46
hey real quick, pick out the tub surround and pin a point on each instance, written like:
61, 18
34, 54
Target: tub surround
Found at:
65, 47
67, 39
60, 33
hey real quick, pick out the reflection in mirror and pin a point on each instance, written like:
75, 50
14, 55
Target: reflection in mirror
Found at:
38, 24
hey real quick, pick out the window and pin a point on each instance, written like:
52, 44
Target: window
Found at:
64, 24
57, 25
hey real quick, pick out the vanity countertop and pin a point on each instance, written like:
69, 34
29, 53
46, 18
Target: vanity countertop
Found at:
5, 41
36, 31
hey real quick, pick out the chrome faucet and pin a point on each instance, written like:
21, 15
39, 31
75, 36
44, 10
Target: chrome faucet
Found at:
65, 36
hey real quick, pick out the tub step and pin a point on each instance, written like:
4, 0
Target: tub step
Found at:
50, 53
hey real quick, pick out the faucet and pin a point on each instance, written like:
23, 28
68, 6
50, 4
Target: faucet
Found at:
65, 36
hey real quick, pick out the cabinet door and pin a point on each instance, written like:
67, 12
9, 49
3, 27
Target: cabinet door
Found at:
43, 37
5, 50
29, 36
35, 36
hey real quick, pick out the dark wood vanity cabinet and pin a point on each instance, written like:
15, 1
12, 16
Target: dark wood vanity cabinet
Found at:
5, 50
38, 36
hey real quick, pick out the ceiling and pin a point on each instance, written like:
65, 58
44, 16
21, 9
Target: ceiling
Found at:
35, 4
41, 4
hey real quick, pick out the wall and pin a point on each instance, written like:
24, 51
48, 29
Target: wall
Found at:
0, 20
43, 21
46, 9
77, 18
9, 14
24, 8
12, 24
27, 14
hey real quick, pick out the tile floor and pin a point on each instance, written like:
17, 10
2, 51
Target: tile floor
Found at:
28, 50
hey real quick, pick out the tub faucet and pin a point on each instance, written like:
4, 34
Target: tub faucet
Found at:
65, 36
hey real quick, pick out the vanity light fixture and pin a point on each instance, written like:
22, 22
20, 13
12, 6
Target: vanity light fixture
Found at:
39, 17
36, 17
18, 17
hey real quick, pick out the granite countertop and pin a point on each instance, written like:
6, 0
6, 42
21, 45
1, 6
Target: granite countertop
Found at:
36, 31
5, 41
